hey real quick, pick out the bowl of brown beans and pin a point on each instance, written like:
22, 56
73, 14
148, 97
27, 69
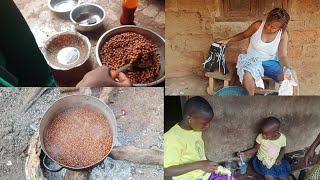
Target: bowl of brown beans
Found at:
124, 44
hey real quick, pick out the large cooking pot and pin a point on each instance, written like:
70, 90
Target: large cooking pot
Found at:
69, 102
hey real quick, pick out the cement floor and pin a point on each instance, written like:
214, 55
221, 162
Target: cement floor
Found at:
45, 23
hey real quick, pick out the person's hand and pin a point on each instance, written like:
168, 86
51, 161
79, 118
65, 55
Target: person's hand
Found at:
223, 42
241, 153
207, 166
309, 156
104, 77
278, 162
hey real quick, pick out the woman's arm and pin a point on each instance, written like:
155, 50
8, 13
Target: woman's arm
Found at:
206, 165
283, 50
310, 153
243, 35
283, 59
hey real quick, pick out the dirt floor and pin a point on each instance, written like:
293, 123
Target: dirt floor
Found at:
139, 114
187, 85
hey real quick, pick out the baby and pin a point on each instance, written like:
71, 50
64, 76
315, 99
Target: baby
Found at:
270, 147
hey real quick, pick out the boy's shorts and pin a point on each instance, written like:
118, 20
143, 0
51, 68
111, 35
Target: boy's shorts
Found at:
272, 69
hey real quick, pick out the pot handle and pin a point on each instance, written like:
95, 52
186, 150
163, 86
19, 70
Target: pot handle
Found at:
50, 169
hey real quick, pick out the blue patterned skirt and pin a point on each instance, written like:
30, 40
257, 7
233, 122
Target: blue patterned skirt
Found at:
281, 170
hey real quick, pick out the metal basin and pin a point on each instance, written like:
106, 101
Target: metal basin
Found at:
149, 34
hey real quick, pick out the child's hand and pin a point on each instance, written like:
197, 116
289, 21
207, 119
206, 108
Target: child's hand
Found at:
207, 166
240, 153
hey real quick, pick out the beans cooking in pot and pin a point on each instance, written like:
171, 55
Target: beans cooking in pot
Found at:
130, 47
78, 137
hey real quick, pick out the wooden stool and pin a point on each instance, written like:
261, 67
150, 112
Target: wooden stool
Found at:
270, 86
216, 75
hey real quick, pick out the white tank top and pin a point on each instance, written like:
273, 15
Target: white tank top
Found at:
266, 51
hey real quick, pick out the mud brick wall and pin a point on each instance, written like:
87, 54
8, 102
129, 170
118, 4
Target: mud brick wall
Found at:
191, 27
236, 123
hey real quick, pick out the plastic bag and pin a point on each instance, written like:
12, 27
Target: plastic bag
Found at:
286, 87
217, 177
216, 58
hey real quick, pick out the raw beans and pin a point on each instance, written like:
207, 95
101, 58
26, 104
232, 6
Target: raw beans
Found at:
130, 47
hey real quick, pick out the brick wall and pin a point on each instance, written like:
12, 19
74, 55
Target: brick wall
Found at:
191, 27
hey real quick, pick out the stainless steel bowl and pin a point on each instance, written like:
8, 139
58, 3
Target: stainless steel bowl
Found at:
62, 7
87, 17
149, 34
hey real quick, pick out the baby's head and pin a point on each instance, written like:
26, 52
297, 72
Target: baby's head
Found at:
277, 19
270, 128
198, 113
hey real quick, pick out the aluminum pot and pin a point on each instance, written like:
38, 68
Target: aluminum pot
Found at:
74, 101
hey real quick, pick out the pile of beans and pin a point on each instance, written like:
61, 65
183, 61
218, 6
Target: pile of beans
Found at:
130, 47
78, 137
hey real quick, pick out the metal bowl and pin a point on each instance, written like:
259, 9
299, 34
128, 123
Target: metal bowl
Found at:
87, 17
62, 7
67, 50
149, 34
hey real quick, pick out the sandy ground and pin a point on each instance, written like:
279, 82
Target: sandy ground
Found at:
141, 126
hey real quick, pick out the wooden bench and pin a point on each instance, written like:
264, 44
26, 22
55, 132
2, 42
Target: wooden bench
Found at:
270, 86
298, 167
227, 79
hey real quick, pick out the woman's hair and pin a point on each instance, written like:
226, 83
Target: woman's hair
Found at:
279, 14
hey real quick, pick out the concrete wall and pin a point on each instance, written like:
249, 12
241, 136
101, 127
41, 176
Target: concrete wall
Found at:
236, 122
191, 27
